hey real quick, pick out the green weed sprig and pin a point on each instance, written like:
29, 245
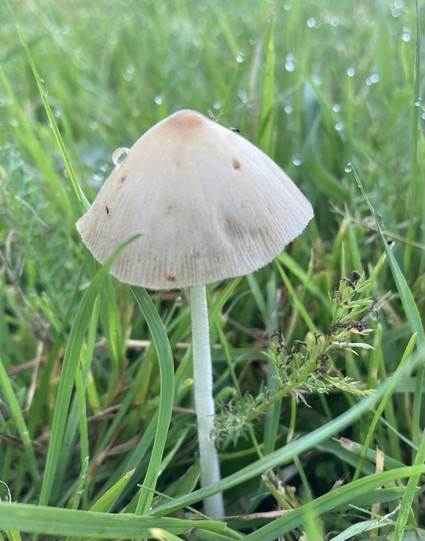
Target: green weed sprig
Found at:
307, 367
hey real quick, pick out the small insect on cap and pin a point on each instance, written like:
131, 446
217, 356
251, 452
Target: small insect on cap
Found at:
209, 205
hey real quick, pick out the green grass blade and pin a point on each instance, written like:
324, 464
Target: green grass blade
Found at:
106, 500
336, 499
69, 369
415, 204
166, 399
412, 313
266, 119
380, 409
19, 421
89, 524
409, 495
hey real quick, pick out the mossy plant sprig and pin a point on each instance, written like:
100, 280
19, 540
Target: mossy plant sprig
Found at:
307, 366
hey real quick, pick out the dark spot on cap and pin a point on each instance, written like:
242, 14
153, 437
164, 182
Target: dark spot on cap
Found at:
122, 179
107, 209
171, 278
236, 164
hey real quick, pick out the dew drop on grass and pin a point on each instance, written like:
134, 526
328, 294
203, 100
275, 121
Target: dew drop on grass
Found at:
158, 100
348, 168
287, 6
243, 96
129, 73
289, 64
99, 174
406, 36
240, 57
119, 155
418, 102
44, 87
374, 315
351, 72
311, 22
372, 79
297, 161
339, 126
336, 107
288, 108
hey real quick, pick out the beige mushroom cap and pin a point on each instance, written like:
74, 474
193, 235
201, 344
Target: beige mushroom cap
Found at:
209, 205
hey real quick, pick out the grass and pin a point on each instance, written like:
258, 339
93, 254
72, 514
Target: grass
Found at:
97, 432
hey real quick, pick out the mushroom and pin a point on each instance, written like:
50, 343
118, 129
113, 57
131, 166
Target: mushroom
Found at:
209, 206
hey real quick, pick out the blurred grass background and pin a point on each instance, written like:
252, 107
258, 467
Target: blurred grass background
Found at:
317, 85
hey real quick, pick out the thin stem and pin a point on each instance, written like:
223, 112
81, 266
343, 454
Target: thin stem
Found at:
204, 401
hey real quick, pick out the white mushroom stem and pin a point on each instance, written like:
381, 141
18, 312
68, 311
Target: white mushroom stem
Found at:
204, 400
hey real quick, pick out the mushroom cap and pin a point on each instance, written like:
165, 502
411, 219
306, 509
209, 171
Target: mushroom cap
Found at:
209, 205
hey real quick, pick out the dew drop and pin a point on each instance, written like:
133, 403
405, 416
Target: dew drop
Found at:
335, 22
287, 6
372, 79
99, 174
339, 126
240, 57
289, 64
406, 36
44, 87
288, 108
129, 73
217, 105
158, 100
348, 168
351, 72
297, 161
311, 22
374, 315
119, 155
336, 107
243, 96
418, 102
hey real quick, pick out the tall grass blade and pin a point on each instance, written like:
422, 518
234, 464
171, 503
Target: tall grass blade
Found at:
69, 369
411, 311
166, 399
